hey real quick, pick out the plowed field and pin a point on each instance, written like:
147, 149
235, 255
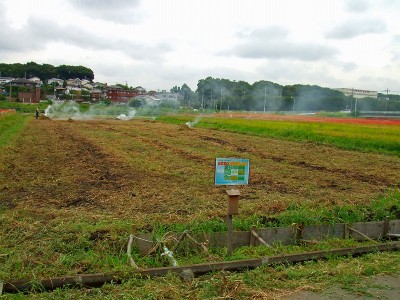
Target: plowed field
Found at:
148, 171
71, 192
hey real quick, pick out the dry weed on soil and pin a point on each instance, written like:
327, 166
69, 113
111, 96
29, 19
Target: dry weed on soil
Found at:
148, 172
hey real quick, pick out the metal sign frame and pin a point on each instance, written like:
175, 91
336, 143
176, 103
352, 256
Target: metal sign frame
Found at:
232, 171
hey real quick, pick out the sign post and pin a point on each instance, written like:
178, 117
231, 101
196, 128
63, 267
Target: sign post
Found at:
231, 172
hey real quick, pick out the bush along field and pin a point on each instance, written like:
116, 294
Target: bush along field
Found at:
72, 192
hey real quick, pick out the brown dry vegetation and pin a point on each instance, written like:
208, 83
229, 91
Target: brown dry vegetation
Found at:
148, 171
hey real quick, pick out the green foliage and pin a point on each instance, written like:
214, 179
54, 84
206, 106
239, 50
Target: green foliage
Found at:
45, 71
135, 103
223, 94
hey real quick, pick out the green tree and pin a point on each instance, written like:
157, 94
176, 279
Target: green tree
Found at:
135, 103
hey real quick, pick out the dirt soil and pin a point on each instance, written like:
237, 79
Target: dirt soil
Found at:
377, 287
150, 171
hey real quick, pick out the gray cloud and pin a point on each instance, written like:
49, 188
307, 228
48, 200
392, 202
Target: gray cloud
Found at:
274, 43
348, 67
284, 50
354, 28
38, 32
273, 32
117, 11
395, 48
380, 82
396, 39
357, 6
288, 73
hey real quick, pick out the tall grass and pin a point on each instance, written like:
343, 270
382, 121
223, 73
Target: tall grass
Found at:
10, 126
368, 138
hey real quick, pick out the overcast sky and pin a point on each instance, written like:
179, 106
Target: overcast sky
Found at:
158, 44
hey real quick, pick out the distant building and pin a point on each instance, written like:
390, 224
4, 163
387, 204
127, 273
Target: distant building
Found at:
58, 81
149, 100
119, 95
357, 93
167, 96
6, 79
96, 94
36, 79
76, 82
140, 89
24, 82
32, 96
32, 92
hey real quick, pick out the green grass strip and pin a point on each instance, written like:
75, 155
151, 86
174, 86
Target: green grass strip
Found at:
367, 138
10, 126
24, 107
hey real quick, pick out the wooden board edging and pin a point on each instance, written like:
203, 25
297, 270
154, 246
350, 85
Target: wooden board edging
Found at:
96, 280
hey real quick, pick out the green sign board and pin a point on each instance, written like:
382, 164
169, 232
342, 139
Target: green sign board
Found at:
232, 171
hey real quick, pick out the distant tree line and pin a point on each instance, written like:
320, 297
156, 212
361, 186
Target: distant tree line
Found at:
223, 94
45, 71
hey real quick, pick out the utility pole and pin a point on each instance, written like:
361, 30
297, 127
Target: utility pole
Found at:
387, 98
294, 103
10, 91
265, 97
221, 101
212, 100
355, 105
202, 101
351, 100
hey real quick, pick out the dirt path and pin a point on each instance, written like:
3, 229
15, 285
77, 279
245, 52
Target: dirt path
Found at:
377, 287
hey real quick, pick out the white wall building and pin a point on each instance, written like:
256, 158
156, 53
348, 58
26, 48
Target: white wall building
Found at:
6, 79
357, 93
56, 80
166, 96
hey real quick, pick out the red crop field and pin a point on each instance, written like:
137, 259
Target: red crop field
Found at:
313, 118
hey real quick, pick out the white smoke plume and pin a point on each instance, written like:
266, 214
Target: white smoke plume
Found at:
194, 122
65, 110
131, 115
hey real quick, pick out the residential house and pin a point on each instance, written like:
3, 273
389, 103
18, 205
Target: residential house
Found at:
96, 94
5, 80
76, 82
32, 93
141, 90
36, 79
119, 95
56, 81
149, 100
167, 96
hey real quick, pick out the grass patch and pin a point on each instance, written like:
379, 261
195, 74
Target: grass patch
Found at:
10, 126
89, 246
347, 273
24, 107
